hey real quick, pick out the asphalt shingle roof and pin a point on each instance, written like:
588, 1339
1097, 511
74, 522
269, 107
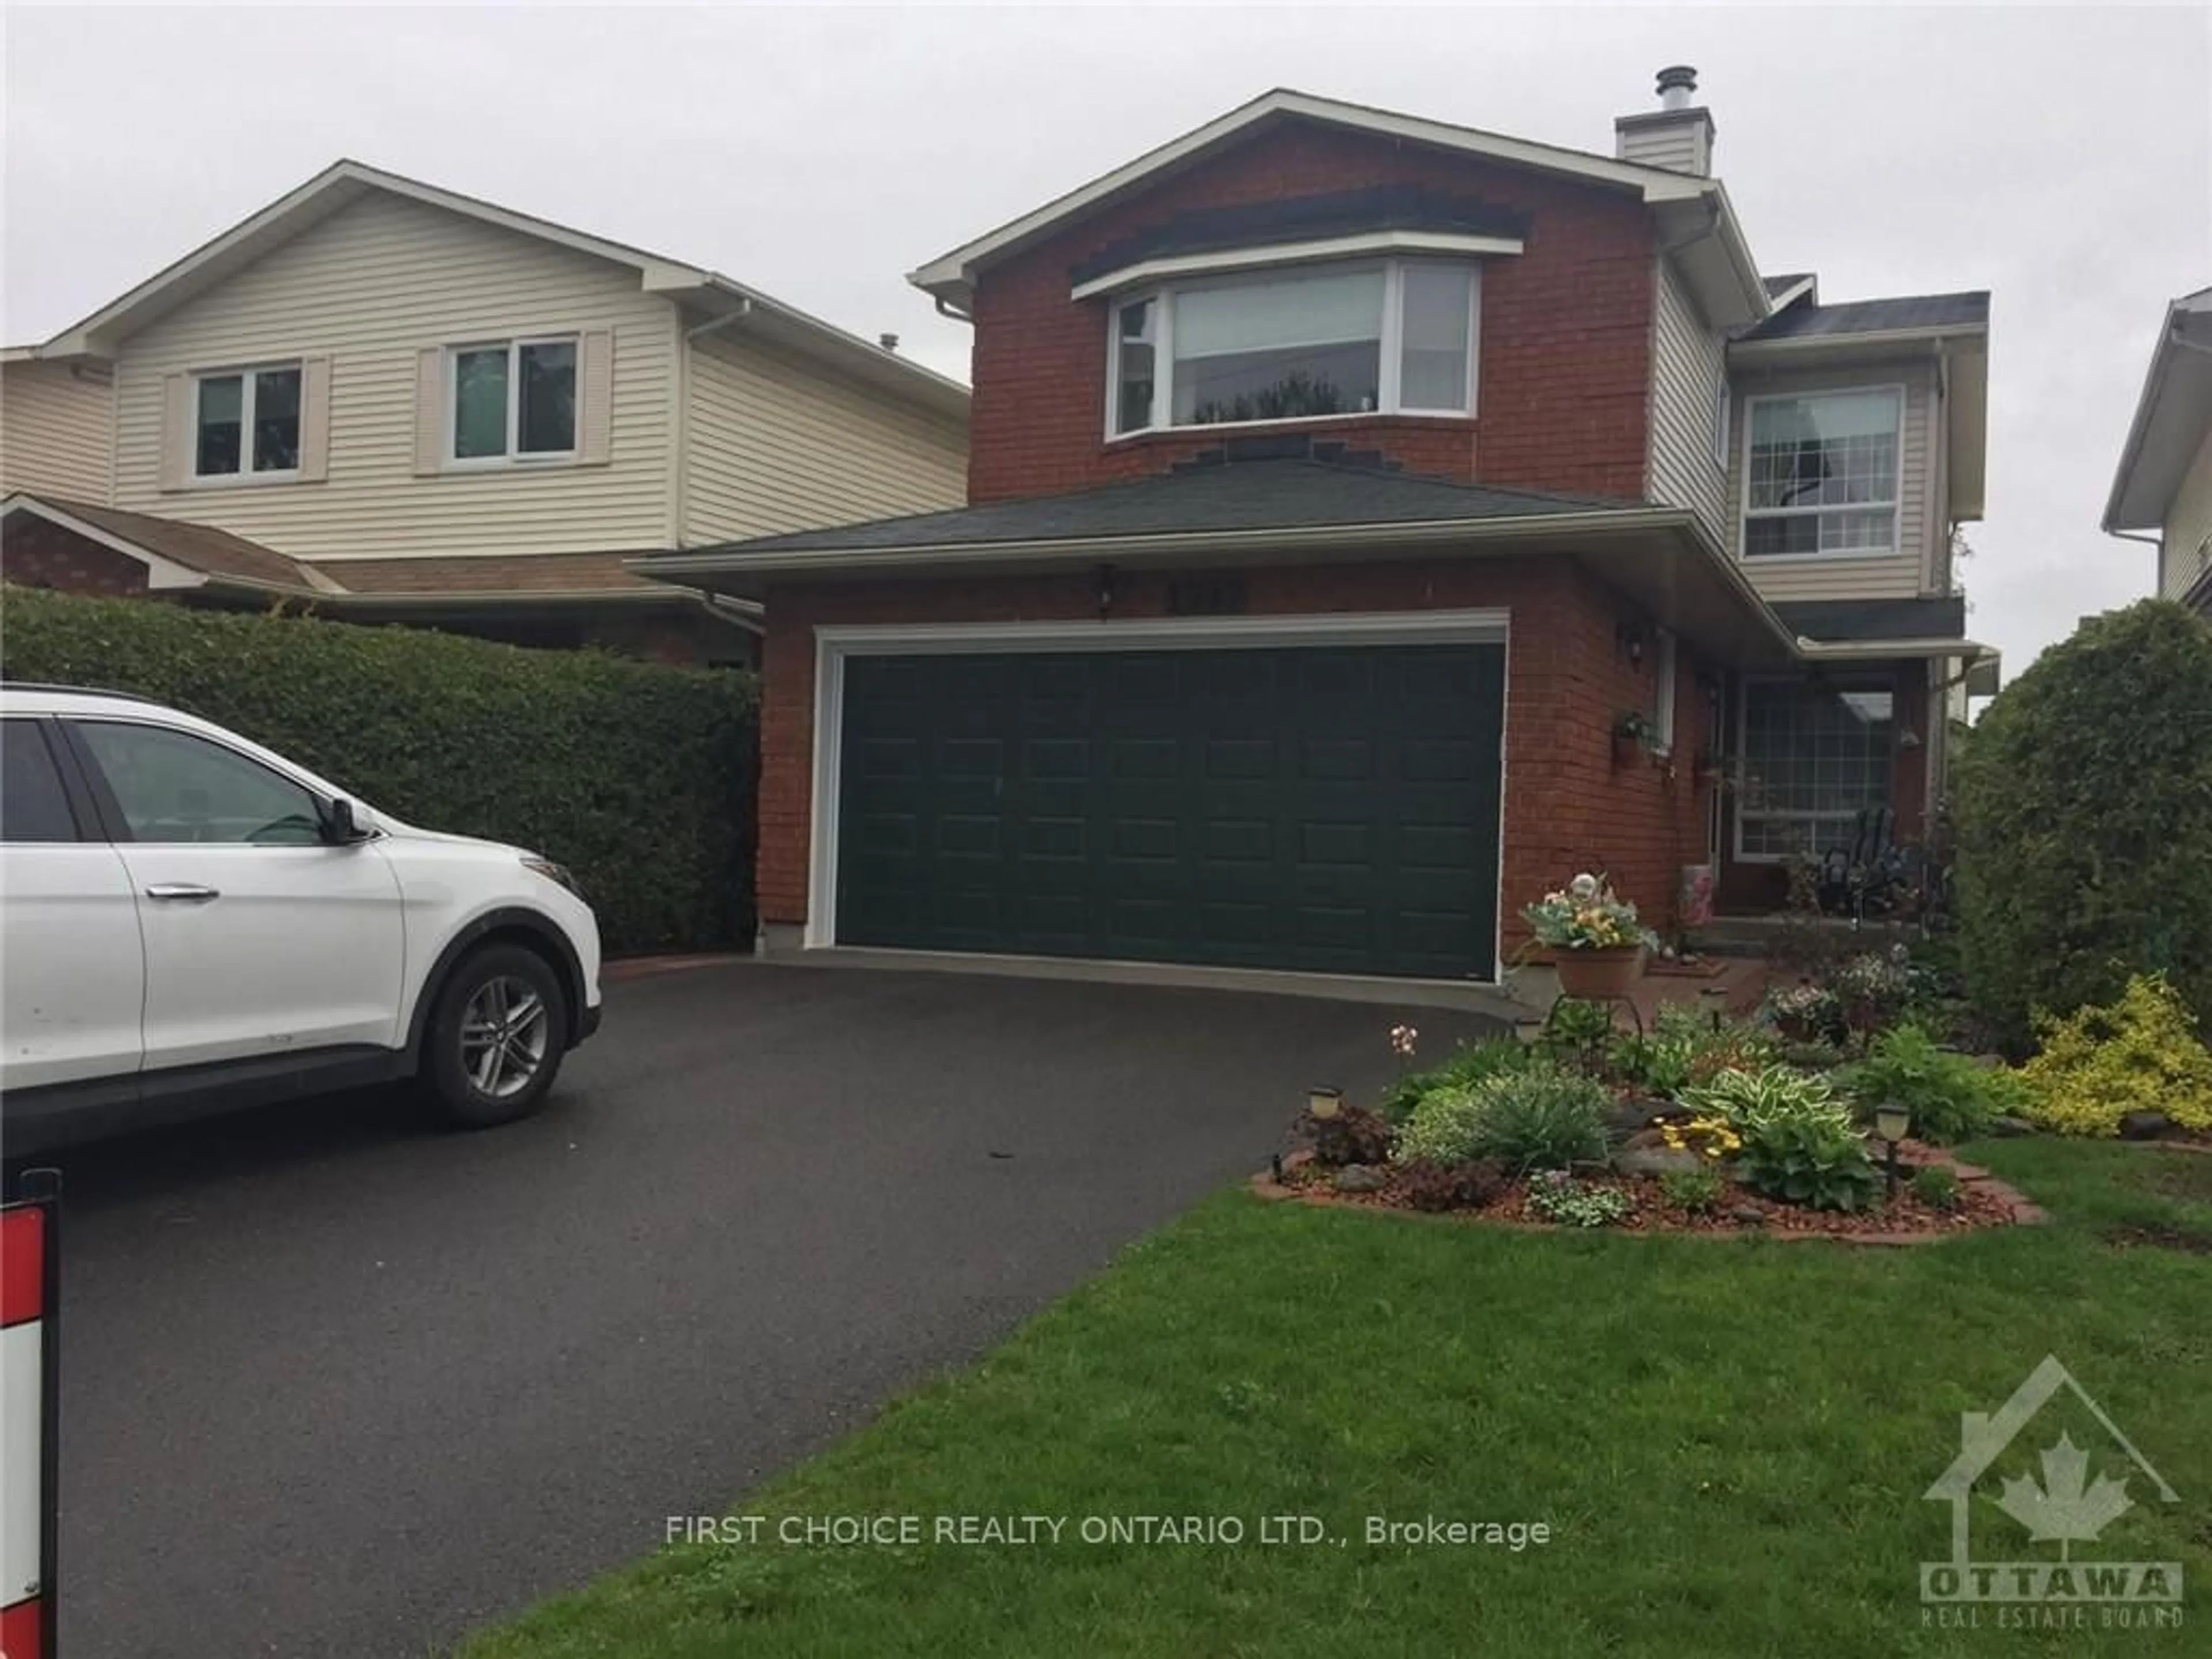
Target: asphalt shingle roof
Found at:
1271, 493
1875, 619
1306, 218
1911, 311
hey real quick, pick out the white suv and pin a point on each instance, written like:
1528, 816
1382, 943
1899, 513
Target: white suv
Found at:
190, 923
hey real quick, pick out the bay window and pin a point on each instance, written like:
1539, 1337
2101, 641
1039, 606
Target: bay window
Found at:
1397, 337
247, 423
1821, 473
1813, 759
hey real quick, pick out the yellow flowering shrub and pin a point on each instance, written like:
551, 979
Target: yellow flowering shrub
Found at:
1710, 1136
2141, 1054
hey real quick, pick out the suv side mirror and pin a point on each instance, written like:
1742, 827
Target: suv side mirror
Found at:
339, 827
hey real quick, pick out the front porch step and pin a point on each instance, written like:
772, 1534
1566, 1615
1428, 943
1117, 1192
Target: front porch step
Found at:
1755, 936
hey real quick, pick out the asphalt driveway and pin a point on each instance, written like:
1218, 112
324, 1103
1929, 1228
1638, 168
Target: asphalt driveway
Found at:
339, 1385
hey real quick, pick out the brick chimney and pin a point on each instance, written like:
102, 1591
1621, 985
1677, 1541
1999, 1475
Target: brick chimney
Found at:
1678, 134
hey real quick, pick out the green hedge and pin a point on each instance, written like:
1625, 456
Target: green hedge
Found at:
640, 778
2084, 813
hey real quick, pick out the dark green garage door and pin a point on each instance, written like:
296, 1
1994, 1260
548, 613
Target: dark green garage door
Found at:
1322, 808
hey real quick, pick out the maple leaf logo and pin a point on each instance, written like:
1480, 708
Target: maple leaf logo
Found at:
2068, 1508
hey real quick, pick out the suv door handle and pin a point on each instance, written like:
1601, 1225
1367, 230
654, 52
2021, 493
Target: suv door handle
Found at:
182, 890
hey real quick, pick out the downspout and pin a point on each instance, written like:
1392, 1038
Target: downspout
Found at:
946, 308
681, 462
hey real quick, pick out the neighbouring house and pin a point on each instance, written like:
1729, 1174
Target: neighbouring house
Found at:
392, 402
1339, 480
2162, 493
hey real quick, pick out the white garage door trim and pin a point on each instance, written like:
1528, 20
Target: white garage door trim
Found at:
834, 646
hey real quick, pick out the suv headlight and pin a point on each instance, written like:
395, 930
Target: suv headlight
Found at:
552, 871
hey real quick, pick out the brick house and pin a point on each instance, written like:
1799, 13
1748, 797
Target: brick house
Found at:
392, 402
1339, 480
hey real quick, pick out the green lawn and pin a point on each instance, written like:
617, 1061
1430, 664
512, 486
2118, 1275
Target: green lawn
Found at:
1729, 1443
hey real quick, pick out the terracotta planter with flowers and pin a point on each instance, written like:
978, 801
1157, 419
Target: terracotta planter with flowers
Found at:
1596, 942
1600, 974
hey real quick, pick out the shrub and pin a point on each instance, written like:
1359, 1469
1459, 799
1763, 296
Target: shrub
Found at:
1440, 1129
1436, 1187
1805, 1012
2140, 1053
1539, 1118
1576, 1028
1531, 1116
638, 777
2083, 828
1773, 1094
1870, 990
1937, 1187
1354, 1135
1950, 1096
1485, 1057
1557, 1197
1808, 1160
1693, 1192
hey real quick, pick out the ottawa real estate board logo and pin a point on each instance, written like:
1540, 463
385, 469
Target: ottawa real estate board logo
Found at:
2062, 1494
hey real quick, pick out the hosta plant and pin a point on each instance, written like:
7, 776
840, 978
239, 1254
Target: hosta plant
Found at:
1750, 1100
1811, 1160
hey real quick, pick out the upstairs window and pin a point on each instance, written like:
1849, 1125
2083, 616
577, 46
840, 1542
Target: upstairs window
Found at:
513, 400
1821, 474
1397, 337
247, 422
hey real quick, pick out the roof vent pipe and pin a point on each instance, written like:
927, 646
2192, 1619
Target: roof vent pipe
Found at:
888, 342
1677, 84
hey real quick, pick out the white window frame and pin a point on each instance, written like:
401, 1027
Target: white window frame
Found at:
1392, 345
1743, 762
513, 457
246, 375
1748, 513
1666, 663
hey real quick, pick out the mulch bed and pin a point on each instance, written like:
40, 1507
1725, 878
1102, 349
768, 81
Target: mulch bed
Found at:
1983, 1201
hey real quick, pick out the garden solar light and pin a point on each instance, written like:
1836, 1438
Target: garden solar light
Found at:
1890, 1121
1324, 1102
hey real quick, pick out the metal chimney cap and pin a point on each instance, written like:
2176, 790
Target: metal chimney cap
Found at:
1677, 82
888, 342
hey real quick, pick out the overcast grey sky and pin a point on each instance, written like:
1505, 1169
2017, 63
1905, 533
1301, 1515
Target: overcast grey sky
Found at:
2060, 157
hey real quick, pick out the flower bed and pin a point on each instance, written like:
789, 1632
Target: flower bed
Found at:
1983, 1202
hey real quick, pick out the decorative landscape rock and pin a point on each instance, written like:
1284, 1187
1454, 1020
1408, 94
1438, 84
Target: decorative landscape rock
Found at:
1639, 1158
1631, 1117
1749, 1215
1360, 1178
2146, 1126
2011, 1128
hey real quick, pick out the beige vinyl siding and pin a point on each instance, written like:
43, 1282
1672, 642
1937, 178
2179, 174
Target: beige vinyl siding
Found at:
372, 288
774, 445
1901, 575
2184, 553
57, 429
1686, 362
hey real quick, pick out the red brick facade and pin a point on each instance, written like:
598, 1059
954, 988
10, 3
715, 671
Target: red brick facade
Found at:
35, 553
1567, 808
1565, 378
